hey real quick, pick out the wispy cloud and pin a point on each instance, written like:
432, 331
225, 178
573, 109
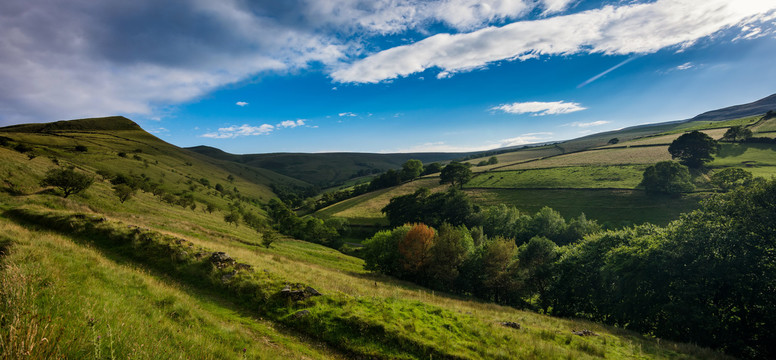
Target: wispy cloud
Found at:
685, 66
594, 78
349, 114
292, 123
241, 103
589, 124
538, 108
524, 139
612, 30
237, 131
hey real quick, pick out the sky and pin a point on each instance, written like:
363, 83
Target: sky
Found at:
381, 75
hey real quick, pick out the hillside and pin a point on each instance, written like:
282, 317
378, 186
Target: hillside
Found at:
150, 279
753, 108
325, 169
588, 175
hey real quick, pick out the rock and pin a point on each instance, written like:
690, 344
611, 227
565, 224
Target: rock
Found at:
228, 277
311, 292
221, 259
584, 332
181, 255
301, 314
298, 293
241, 266
511, 324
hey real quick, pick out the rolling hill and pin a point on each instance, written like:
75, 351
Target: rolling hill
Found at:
151, 279
325, 169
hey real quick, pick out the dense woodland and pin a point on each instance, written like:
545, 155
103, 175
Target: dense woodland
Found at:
707, 278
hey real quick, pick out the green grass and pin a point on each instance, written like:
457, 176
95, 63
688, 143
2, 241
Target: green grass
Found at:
614, 208
83, 258
760, 159
86, 304
581, 177
765, 126
705, 125
365, 209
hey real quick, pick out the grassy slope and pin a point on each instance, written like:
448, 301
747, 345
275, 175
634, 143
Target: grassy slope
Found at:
172, 316
572, 182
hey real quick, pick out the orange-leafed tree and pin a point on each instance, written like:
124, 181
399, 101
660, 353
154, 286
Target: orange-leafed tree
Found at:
415, 247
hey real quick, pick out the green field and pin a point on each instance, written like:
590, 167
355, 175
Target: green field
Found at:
759, 159
102, 279
578, 177
613, 208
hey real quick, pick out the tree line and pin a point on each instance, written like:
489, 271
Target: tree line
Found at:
708, 278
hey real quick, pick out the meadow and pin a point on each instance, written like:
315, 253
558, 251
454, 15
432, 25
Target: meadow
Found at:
103, 279
579, 177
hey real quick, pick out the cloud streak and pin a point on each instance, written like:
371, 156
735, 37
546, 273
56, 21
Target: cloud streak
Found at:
238, 131
540, 108
622, 30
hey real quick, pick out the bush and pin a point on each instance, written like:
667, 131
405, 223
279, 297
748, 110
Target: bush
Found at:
123, 192
81, 148
67, 180
667, 177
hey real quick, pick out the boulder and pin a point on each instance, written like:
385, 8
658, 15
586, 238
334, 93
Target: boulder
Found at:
510, 324
584, 332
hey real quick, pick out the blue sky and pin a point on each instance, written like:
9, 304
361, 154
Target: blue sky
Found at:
381, 75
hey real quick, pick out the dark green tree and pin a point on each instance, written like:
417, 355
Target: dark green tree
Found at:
232, 217
124, 192
411, 169
693, 149
730, 178
268, 238
493, 160
455, 173
67, 180
737, 133
667, 177
432, 168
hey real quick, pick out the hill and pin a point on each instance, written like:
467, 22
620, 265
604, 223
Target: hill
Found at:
325, 169
148, 278
753, 108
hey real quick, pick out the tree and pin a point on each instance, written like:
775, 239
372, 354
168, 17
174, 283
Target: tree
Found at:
67, 180
415, 247
124, 192
268, 237
432, 168
493, 160
613, 141
667, 177
737, 133
411, 169
232, 217
693, 148
730, 178
455, 173
451, 247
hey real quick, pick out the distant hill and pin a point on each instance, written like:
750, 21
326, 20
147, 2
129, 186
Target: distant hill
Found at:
732, 112
325, 169
91, 124
143, 153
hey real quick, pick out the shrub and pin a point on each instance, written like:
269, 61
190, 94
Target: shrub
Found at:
667, 177
67, 180
123, 192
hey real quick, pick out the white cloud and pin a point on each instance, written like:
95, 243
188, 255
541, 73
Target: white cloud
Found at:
630, 29
237, 131
540, 108
524, 139
292, 123
685, 66
348, 114
554, 6
241, 103
589, 124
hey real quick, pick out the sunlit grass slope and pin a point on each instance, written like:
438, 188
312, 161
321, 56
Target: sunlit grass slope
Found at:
102, 279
